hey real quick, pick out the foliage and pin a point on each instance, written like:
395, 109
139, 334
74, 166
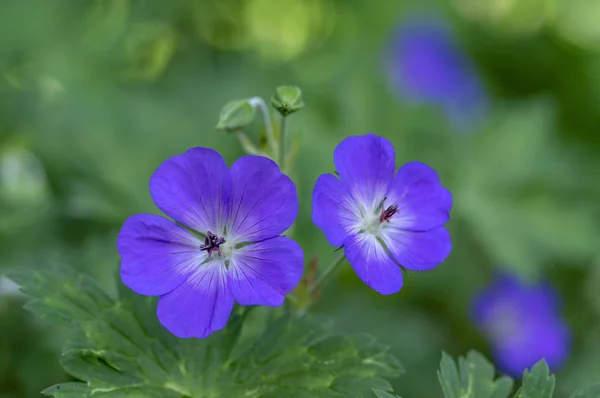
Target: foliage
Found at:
118, 349
473, 378
537, 383
384, 394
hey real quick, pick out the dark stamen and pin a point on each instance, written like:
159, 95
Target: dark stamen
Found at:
212, 243
386, 215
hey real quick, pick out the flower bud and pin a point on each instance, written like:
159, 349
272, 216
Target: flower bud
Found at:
287, 99
236, 115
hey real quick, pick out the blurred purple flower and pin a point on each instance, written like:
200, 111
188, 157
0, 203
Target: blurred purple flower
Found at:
239, 213
426, 65
522, 323
382, 220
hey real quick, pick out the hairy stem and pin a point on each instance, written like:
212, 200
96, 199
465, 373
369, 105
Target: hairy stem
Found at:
282, 142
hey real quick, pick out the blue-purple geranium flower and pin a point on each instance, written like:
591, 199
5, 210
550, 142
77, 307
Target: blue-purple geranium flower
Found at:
522, 323
384, 219
222, 245
426, 65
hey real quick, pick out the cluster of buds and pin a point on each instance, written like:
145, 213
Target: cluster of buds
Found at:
236, 116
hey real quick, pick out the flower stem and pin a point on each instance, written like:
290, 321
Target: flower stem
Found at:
247, 145
282, 142
258, 102
327, 273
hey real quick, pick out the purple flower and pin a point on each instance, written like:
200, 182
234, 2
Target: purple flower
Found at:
382, 220
522, 323
426, 65
222, 246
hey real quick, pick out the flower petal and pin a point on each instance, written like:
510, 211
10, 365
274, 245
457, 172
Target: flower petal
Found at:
504, 298
550, 340
264, 202
335, 211
373, 264
423, 203
427, 64
194, 189
418, 251
156, 254
200, 306
366, 166
522, 322
262, 273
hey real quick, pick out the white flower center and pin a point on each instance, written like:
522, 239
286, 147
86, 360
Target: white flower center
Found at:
375, 219
227, 249
370, 224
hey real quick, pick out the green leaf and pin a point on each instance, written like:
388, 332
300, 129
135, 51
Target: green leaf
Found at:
588, 392
384, 394
537, 383
67, 390
473, 378
118, 349
79, 390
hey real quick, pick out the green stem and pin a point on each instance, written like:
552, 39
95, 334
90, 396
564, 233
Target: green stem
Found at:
258, 102
282, 142
247, 145
327, 273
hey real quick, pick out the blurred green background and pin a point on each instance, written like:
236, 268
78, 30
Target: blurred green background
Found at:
94, 95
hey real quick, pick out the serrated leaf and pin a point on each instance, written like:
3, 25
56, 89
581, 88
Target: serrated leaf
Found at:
473, 378
384, 394
119, 349
355, 386
537, 383
70, 296
587, 392
448, 377
67, 390
81, 390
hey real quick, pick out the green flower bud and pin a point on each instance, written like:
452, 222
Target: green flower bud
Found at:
287, 99
236, 115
